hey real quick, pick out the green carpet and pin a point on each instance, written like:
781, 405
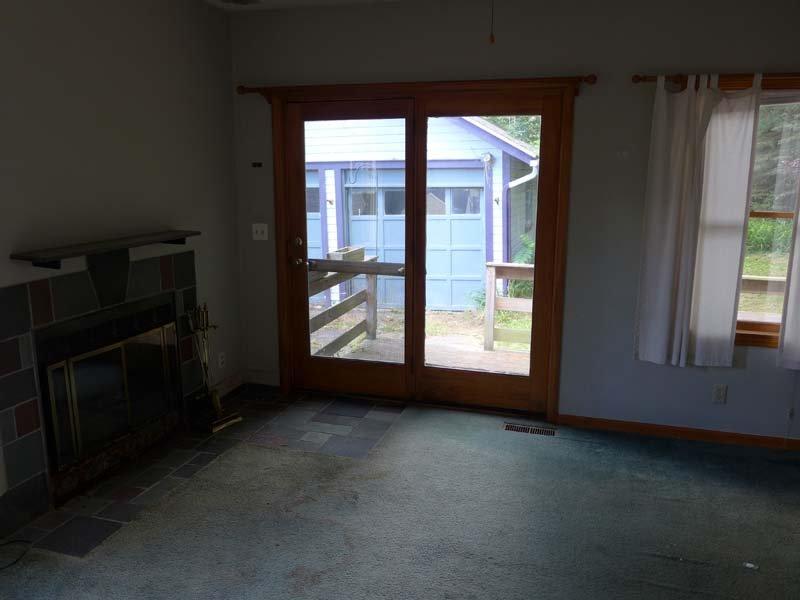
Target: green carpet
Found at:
450, 506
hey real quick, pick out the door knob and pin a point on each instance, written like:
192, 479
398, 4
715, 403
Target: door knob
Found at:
298, 241
299, 262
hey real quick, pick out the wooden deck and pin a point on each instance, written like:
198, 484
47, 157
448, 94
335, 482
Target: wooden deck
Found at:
454, 351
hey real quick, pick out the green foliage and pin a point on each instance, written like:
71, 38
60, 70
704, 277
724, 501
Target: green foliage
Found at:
777, 161
526, 128
523, 289
769, 235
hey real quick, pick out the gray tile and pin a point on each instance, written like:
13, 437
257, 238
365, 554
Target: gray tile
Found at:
313, 436
150, 476
19, 505
121, 493
184, 269
348, 408
144, 278
292, 417
370, 429
24, 458
271, 440
109, 274
79, 536
10, 360
16, 388
313, 403
187, 471
176, 458
28, 534
124, 512
8, 428
85, 505
73, 295
304, 445
15, 318
189, 299
347, 446
202, 458
218, 445
52, 520
381, 414
26, 351
158, 492
325, 428
286, 431
336, 419
244, 429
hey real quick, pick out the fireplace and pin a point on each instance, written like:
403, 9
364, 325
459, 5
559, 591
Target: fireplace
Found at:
110, 384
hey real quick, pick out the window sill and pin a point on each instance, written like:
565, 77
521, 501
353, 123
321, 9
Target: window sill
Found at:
753, 333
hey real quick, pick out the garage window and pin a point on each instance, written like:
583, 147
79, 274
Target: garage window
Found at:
362, 202
466, 201
394, 202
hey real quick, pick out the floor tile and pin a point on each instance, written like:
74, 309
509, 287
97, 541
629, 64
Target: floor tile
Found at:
316, 437
150, 476
381, 414
124, 512
28, 534
347, 408
78, 536
292, 417
335, 419
312, 403
52, 520
325, 428
370, 429
187, 471
123, 493
304, 445
347, 446
202, 458
176, 458
157, 493
187, 442
292, 433
271, 440
86, 505
218, 445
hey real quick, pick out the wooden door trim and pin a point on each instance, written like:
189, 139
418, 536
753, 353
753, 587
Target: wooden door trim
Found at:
560, 90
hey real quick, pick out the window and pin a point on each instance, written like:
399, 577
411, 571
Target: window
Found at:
436, 203
362, 202
466, 201
312, 200
776, 174
394, 202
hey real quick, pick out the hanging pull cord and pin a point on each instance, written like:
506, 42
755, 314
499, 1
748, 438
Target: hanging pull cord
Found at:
491, 22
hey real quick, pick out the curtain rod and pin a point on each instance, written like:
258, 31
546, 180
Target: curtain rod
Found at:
769, 81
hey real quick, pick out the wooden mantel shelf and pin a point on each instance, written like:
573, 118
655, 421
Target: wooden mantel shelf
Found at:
50, 258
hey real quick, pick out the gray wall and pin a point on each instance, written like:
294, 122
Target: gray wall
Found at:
445, 40
116, 118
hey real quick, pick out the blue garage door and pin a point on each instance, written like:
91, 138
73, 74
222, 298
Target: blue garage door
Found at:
456, 248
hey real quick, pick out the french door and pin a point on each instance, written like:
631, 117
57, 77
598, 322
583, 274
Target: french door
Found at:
421, 243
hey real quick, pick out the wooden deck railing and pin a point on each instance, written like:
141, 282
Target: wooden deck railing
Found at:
324, 274
506, 271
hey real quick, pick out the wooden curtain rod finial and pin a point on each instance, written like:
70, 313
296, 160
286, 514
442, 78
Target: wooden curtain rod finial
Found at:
590, 79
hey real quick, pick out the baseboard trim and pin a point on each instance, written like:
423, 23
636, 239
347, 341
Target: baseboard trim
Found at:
680, 433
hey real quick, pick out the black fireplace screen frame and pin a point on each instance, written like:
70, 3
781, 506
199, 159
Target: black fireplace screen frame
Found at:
62, 346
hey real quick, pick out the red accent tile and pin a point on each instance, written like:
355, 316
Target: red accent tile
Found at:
41, 302
167, 273
187, 348
27, 417
9, 356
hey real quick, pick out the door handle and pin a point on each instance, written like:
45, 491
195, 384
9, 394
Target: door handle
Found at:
298, 241
299, 262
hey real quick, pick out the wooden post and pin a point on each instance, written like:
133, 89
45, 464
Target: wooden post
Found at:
372, 306
488, 320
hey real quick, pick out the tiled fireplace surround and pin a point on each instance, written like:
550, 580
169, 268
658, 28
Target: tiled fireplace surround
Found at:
29, 307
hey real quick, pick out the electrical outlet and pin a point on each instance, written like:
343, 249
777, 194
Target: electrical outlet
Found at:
221, 360
260, 232
719, 394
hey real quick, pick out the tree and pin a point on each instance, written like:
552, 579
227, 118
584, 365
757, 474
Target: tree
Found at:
777, 162
526, 128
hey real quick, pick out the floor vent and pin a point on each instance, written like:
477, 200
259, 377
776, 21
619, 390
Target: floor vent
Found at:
534, 429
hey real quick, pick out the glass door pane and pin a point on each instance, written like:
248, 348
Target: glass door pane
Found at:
481, 208
356, 231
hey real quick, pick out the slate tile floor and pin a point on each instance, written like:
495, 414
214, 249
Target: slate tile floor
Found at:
335, 426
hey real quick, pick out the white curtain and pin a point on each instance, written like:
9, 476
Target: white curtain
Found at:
729, 154
695, 216
789, 351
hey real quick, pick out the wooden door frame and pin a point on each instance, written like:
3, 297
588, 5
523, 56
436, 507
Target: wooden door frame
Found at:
561, 91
